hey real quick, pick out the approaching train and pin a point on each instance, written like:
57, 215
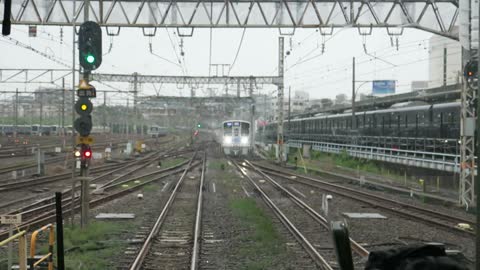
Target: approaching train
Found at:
438, 121
235, 137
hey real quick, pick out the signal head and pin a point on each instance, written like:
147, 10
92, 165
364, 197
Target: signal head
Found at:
86, 152
90, 45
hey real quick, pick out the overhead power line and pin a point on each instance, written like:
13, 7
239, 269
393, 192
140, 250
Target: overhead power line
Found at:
238, 51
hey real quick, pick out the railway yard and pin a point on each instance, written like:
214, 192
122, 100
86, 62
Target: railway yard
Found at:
183, 205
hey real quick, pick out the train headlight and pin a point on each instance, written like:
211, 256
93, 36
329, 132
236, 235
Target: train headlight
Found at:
227, 140
244, 140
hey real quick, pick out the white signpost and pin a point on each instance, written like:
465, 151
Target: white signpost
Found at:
12, 220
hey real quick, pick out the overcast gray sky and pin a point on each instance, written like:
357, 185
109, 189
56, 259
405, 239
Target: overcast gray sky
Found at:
307, 69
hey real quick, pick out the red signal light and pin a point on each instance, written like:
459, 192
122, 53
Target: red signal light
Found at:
87, 153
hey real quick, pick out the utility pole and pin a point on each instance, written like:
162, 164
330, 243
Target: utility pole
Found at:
135, 92
16, 114
477, 177
104, 110
250, 87
63, 107
74, 51
289, 111
445, 67
41, 114
353, 94
280, 99
126, 120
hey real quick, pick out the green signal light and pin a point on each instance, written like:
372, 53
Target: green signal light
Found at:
199, 125
90, 58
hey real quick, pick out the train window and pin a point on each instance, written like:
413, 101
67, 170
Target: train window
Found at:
245, 129
227, 128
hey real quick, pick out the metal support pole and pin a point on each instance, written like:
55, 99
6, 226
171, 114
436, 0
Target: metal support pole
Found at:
280, 99
63, 106
84, 201
252, 126
135, 93
11, 228
250, 87
289, 110
16, 114
40, 162
86, 9
467, 142
127, 131
445, 67
41, 115
59, 218
353, 94
238, 88
104, 110
477, 177
74, 164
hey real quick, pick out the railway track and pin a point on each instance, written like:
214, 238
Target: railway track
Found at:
28, 165
172, 242
40, 213
292, 219
11, 183
415, 212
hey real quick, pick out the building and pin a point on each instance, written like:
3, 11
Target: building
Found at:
419, 85
299, 102
444, 52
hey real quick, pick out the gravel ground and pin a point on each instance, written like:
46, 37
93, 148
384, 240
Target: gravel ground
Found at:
229, 241
377, 234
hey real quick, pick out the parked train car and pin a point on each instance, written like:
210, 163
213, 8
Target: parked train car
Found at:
9, 130
236, 137
44, 130
155, 131
441, 121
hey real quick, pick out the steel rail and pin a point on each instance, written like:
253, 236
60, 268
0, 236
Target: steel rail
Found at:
311, 250
319, 218
50, 216
422, 214
198, 219
137, 263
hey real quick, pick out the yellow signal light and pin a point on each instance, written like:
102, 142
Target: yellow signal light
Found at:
84, 107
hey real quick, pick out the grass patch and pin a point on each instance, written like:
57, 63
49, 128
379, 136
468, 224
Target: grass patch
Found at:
263, 246
150, 188
94, 247
172, 162
346, 161
217, 165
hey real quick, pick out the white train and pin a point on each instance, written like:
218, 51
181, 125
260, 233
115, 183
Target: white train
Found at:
8, 130
235, 137
155, 131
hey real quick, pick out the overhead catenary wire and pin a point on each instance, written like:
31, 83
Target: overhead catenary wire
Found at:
339, 80
238, 51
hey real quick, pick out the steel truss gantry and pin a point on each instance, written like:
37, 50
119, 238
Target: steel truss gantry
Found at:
436, 16
187, 80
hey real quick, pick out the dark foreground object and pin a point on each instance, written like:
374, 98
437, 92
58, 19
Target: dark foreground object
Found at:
426, 257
